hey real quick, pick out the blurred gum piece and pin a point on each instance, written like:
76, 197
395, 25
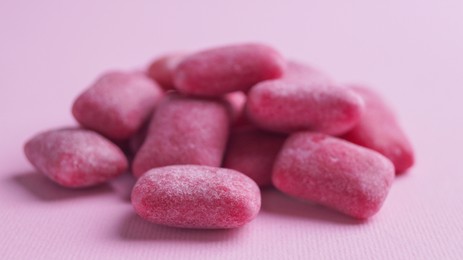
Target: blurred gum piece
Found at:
75, 158
378, 129
162, 69
253, 152
215, 72
117, 104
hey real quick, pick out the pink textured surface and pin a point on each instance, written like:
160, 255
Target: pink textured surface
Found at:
410, 51
184, 130
379, 130
224, 69
253, 152
117, 104
334, 173
196, 196
75, 157
287, 106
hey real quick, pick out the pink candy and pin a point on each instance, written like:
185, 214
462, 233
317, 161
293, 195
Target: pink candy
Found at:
75, 158
222, 70
117, 104
244, 107
379, 130
184, 130
333, 172
288, 106
195, 196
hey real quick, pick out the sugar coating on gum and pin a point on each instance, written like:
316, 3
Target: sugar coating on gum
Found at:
193, 196
330, 171
378, 129
117, 104
184, 130
75, 157
222, 70
253, 152
288, 106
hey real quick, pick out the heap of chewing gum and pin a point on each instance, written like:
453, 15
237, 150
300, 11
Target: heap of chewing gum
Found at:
203, 132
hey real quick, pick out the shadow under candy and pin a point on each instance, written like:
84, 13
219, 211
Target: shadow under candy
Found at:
275, 202
135, 228
123, 185
44, 189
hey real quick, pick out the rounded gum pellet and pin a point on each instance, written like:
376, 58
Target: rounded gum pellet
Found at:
289, 106
378, 129
75, 157
333, 172
193, 196
117, 104
222, 70
184, 130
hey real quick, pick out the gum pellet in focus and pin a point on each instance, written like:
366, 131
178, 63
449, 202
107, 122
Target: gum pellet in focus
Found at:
193, 196
333, 172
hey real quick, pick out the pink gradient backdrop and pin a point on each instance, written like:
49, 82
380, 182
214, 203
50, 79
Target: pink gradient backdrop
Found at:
411, 51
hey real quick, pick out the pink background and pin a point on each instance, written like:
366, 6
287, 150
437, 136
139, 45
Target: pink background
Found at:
411, 51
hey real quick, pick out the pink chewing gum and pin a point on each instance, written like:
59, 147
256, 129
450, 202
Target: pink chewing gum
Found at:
184, 130
218, 71
253, 152
335, 173
117, 104
75, 158
289, 106
162, 69
193, 196
379, 130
